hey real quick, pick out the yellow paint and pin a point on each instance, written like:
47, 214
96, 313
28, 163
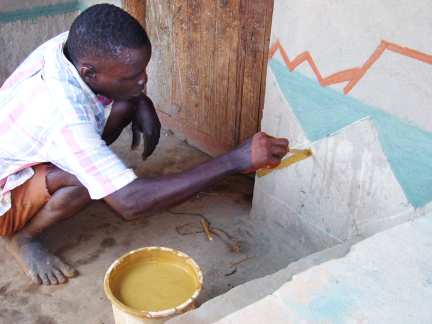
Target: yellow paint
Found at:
154, 286
296, 156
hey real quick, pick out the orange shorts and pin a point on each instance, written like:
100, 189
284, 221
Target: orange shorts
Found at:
27, 200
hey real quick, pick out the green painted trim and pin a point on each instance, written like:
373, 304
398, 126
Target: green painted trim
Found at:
40, 11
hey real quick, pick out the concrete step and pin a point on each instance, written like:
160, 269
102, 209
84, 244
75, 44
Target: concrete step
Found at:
385, 278
254, 290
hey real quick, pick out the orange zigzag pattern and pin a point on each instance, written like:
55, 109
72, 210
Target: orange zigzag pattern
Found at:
352, 76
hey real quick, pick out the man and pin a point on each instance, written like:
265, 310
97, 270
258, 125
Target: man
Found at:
54, 158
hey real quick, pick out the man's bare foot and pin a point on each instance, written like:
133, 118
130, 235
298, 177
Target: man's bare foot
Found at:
40, 265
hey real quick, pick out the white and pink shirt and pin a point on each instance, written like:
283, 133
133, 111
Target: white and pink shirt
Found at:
48, 114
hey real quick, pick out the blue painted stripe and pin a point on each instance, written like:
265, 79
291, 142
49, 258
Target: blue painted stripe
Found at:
40, 11
323, 111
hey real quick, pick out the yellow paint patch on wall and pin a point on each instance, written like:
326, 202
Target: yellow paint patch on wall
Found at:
296, 156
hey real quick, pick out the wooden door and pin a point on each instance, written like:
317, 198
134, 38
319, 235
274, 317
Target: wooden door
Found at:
208, 67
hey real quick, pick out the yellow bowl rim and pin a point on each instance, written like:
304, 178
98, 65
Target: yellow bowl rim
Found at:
157, 314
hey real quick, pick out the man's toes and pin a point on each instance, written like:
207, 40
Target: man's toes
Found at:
52, 278
34, 277
66, 269
44, 278
59, 275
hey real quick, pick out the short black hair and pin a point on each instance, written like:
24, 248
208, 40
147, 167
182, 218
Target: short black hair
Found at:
104, 30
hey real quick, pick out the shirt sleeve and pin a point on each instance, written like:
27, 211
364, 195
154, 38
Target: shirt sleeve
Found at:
79, 149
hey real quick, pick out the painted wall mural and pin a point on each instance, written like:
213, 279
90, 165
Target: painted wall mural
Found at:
352, 81
323, 111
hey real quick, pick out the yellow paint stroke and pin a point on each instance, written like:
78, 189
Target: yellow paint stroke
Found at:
296, 156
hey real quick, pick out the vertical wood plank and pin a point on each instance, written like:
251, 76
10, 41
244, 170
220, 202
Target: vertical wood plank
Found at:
226, 62
267, 34
253, 20
207, 81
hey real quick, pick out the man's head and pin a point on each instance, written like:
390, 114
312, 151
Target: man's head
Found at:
110, 50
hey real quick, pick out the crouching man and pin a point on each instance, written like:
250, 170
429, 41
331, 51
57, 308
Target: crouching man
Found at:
54, 154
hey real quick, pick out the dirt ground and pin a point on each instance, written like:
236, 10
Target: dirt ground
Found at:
96, 237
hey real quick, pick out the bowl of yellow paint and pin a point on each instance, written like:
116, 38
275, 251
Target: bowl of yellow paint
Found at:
152, 284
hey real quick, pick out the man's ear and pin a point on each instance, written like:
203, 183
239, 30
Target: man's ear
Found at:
87, 73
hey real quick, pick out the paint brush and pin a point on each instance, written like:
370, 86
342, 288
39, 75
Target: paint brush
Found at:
295, 156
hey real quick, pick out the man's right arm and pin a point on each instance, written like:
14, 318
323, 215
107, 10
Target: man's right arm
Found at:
145, 195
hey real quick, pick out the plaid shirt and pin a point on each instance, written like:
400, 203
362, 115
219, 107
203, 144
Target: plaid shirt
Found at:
48, 114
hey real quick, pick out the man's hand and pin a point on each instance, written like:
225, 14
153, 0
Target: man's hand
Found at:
261, 151
145, 122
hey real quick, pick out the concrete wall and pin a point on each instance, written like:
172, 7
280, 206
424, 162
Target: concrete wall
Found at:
351, 80
24, 25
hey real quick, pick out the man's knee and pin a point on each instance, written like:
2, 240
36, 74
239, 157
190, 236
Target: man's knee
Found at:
57, 178
79, 193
